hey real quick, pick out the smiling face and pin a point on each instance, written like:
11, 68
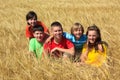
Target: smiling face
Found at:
57, 32
39, 35
32, 21
77, 30
92, 36
77, 33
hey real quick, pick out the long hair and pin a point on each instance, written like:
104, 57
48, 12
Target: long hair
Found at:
98, 39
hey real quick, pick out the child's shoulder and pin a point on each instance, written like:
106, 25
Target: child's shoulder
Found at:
32, 39
68, 35
84, 35
40, 23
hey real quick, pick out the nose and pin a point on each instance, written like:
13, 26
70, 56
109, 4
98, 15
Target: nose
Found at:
33, 20
58, 32
90, 37
39, 35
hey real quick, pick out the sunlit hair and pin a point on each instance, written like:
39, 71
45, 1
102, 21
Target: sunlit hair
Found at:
98, 40
77, 26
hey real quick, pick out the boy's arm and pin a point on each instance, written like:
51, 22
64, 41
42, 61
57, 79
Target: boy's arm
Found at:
46, 50
49, 39
67, 35
69, 51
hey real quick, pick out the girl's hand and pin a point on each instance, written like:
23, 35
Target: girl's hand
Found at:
100, 48
83, 57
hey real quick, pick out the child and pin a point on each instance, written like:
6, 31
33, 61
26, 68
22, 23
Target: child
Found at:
36, 43
77, 37
94, 51
31, 19
59, 46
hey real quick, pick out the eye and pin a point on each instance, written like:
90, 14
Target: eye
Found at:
60, 30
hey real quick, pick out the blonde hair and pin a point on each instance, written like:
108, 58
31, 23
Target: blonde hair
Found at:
76, 26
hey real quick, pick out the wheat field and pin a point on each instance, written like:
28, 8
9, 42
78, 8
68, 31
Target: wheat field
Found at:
16, 64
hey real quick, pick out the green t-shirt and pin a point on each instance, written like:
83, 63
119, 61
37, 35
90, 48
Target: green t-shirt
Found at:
36, 47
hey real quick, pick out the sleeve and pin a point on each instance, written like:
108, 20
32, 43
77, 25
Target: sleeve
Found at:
69, 44
27, 32
45, 28
83, 49
46, 47
32, 45
67, 35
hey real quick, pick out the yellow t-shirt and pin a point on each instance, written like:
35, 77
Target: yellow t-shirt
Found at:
95, 57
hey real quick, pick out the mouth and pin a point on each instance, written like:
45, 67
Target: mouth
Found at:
77, 35
59, 36
91, 41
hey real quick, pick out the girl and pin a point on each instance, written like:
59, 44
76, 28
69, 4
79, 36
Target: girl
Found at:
94, 51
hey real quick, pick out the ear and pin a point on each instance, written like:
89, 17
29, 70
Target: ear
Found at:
51, 31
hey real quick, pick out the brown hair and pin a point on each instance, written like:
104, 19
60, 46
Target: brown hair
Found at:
98, 40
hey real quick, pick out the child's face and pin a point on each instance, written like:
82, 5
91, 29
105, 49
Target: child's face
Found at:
57, 32
39, 35
77, 33
92, 36
32, 21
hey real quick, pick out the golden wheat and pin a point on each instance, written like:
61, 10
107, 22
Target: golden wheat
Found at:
16, 64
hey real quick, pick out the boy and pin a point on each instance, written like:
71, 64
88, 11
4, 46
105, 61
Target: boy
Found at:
59, 46
31, 19
36, 43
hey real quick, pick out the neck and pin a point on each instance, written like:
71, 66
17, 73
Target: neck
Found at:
91, 45
77, 39
57, 40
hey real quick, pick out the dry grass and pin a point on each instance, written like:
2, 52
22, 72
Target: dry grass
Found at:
15, 64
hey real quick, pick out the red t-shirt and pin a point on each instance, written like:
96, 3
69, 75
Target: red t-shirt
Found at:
65, 44
29, 33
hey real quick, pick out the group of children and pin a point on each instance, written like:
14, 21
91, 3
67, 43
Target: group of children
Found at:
82, 48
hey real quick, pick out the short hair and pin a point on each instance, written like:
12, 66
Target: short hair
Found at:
37, 28
31, 14
77, 26
56, 23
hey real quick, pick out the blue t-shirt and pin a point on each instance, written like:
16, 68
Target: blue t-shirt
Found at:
77, 43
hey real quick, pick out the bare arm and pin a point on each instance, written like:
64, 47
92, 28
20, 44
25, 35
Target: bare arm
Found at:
83, 56
48, 39
70, 51
100, 48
